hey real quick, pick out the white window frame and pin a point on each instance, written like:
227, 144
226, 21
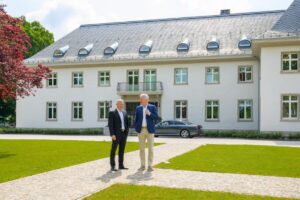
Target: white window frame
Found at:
105, 104
182, 104
245, 105
290, 101
105, 76
52, 106
52, 78
290, 60
77, 107
181, 74
212, 107
214, 73
76, 75
244, 70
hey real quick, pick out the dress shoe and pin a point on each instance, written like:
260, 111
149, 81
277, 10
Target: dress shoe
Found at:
142, 168
123, 168
150, 169
113, 169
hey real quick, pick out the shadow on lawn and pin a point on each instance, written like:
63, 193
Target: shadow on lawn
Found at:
5, 155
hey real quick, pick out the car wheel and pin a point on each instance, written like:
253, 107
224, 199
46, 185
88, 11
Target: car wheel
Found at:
155, 135
184, 133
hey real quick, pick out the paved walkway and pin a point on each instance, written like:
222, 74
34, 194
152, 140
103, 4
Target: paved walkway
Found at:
81, 180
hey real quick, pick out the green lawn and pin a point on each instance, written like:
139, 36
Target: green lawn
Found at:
240, 159
124, 192
20, 158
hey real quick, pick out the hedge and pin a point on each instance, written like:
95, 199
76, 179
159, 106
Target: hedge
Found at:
50, 131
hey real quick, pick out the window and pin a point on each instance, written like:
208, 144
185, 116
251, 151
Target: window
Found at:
245, 110
77, 79
85, 50
212, 75
77, 111
108, 51
52, 80
181, 110
213, 45
245, 74
181, 76
245, 43
51, 111
290, 62
133, 80
184, 46
104, 78
146, 48
212, 110
103, 111
290, 107
61, 51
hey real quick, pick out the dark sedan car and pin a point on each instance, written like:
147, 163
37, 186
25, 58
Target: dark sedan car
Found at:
180, 128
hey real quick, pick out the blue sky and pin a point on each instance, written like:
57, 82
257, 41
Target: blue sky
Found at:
63, 16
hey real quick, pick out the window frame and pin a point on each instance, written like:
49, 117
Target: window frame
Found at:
181, 119
47, 81
212, 120
108, 106
238, 111
246, 81
290, 71
77, 86
72, 113
99, 78
206, 73
283, 119
47, 111
187, 76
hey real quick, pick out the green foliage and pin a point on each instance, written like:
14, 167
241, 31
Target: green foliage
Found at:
96, 131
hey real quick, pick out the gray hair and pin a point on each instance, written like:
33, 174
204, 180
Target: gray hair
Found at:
144, 96
119, 100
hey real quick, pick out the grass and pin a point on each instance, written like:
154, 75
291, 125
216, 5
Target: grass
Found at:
240, 159
20, 158
124, 192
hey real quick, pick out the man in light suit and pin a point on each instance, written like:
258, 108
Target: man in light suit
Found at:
146, 115
118, 127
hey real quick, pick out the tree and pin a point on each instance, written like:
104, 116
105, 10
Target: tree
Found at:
16, 80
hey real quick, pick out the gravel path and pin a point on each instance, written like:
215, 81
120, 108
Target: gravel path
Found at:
79, 181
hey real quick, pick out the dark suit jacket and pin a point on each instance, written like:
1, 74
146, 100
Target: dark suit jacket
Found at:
115, 124
150, 119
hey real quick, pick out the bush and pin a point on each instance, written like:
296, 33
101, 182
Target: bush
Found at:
244, 134
98, 131
294, 136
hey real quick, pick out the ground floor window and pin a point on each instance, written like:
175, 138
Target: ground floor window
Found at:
290, 107
51, 111
245, 110
212, 110
103, 109
181, 110
77, 111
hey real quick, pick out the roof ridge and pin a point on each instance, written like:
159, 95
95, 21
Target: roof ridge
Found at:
182, 18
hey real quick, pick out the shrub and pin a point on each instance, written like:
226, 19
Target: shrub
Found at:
98, 131
243, 134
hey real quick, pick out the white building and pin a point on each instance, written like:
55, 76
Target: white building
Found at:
228, 71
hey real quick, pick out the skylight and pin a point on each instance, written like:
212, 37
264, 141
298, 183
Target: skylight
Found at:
61, 51
146, 48
85, 50
183, 46
214, 44
111, 49
245, 43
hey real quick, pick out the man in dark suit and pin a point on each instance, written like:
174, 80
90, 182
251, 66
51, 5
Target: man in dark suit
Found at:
118, 127
146, 115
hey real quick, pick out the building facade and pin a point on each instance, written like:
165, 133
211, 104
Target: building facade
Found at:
226, 72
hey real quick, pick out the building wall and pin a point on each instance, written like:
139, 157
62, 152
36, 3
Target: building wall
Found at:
273, 85
31, 111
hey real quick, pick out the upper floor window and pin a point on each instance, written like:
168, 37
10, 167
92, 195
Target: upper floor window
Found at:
181, 110
181, 76
290, 107
245, 110
146, 48
104, 78
183, 46
290, 62
85, 50
77, 111
213, 45
245, 43
245, 74
212, 75
212, 110
61, 51
51, 111
109, 51
103, 109
77, 79
52, 80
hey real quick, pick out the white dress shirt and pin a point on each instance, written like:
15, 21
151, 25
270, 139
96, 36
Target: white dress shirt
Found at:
144, 123
122, 119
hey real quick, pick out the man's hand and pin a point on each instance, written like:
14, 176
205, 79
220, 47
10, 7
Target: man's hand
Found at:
147, 112
113, 137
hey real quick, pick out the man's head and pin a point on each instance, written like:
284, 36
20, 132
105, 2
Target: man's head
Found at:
144, 99
120, 104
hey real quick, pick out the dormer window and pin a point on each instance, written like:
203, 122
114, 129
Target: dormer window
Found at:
184, 46
61, 51
146, 48
213, 45
85, 50
111, 49
245, 43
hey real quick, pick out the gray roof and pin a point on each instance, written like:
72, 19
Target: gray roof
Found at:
166, 34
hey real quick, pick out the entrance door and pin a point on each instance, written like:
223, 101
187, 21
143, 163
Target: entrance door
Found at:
150, 80
133, 80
